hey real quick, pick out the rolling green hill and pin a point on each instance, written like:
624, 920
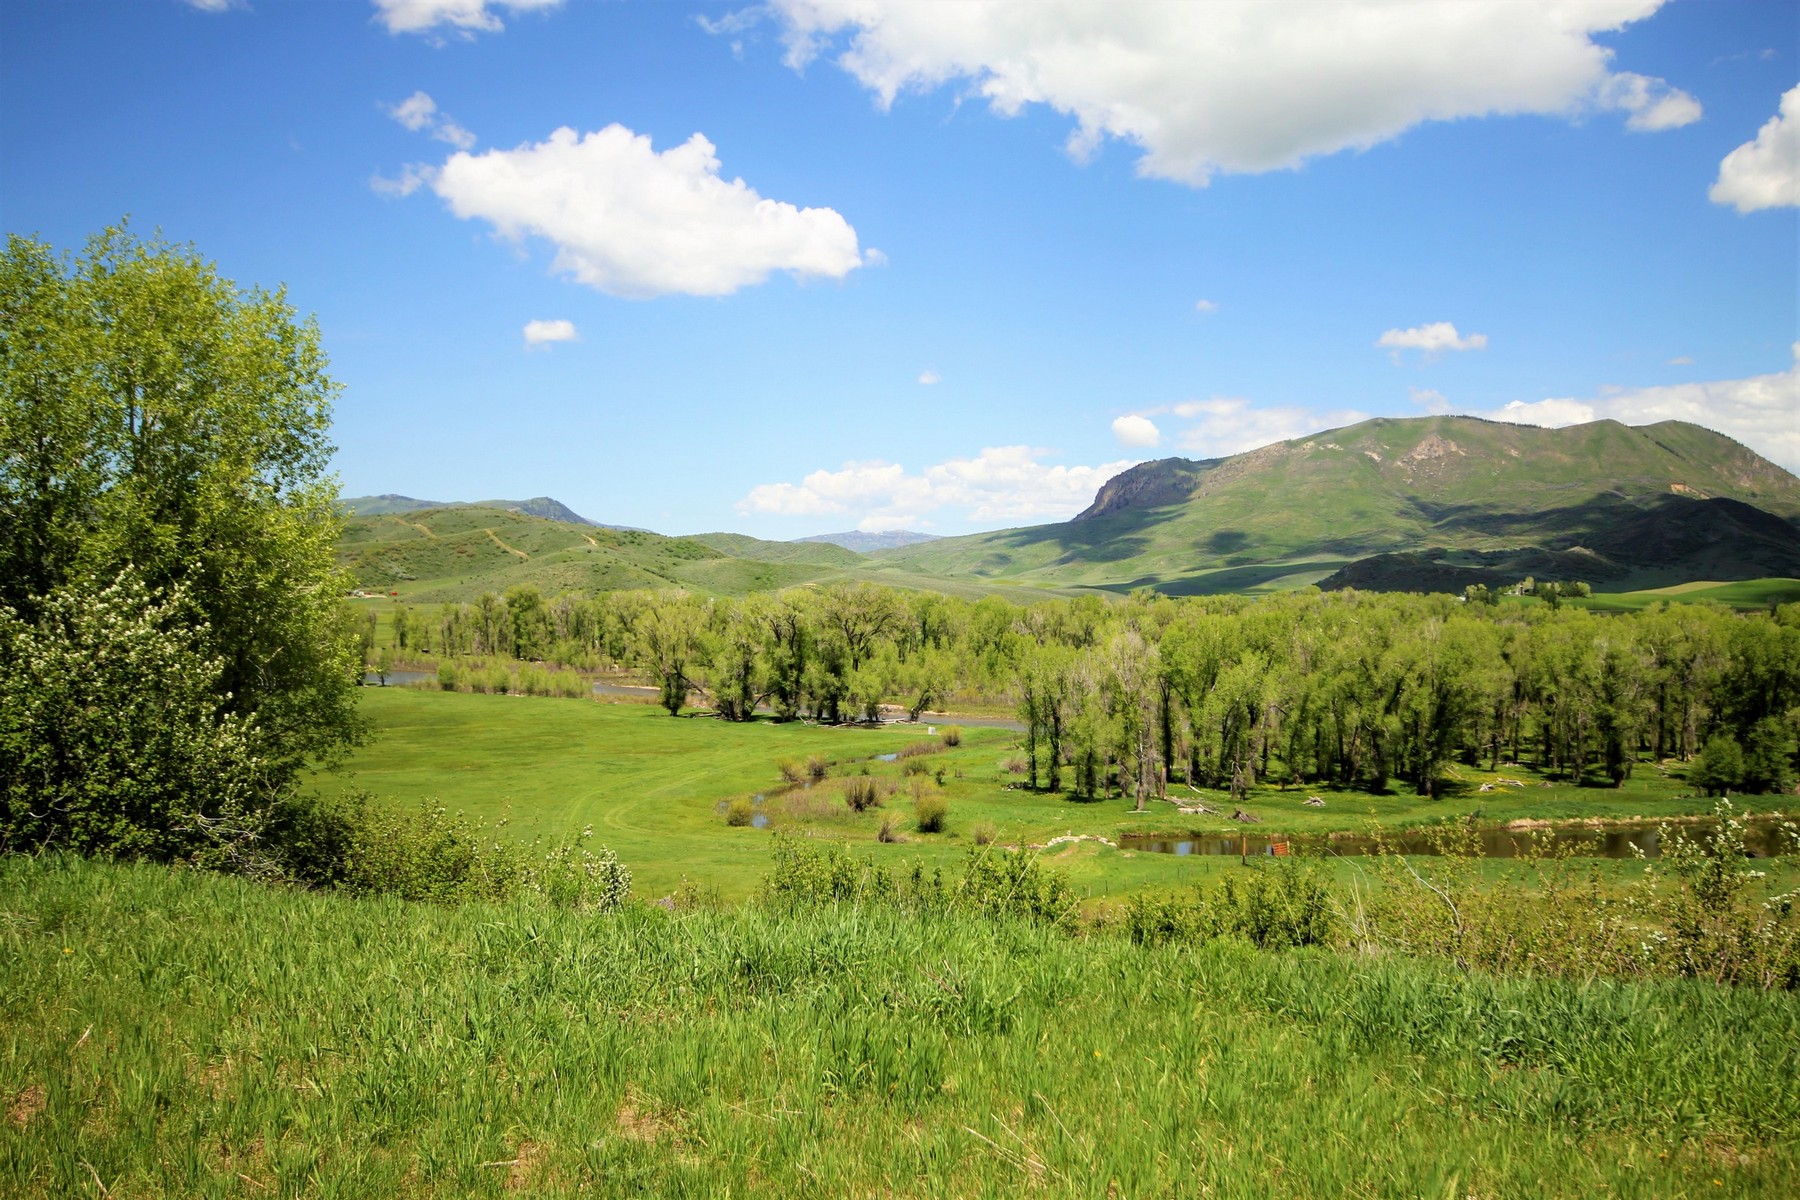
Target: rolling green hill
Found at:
442, 554
1407, 500
818, 554
455, 554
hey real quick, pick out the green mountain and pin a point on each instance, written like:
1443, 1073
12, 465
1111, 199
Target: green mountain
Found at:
820, 554
1400, 503
456, 553
538, 506
863, 543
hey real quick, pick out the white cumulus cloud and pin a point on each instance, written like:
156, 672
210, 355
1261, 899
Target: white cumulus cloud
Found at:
1765, 173
1240, 85
465, 18
1762, 411
419, 113
1652, 103
1204, 307
930, 377
1224, 425
633, 222
1134, 430
1434, 338
544, 333
1002, 483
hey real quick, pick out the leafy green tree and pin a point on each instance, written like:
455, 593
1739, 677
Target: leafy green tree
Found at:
1768, 766
1719, 767
737, 663
670, 648
160, 424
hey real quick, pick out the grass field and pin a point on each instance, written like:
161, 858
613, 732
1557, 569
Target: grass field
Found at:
652, 785
1745, 594
169, 1034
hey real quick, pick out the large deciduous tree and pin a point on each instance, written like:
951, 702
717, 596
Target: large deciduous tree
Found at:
160, 425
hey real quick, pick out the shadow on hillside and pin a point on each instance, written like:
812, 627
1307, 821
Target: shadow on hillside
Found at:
1103, 539
1234, 579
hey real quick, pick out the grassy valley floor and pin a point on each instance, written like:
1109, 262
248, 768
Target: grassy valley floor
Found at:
653, 787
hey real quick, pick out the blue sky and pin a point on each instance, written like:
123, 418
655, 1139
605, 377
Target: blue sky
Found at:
824, 264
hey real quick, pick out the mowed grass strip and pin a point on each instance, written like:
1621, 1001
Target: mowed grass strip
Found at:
164, 1033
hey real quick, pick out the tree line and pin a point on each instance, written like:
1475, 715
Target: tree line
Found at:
1121, 697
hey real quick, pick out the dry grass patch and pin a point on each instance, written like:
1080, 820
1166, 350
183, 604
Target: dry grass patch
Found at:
26, 1105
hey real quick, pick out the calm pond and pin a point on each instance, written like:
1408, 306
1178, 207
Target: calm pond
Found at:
1762, 838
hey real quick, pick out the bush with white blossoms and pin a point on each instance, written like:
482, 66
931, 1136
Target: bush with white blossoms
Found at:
114, 739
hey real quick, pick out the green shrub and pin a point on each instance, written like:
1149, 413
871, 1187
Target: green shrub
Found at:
1015, 883
807, 873
1274, 907
739, 812
428, 853
817, 767
951, 735
863, 792
930, 809
983, 833
572, 876
447, 676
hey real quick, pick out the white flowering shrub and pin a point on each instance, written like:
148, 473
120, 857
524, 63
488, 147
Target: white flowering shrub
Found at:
113, 738
1705, 917
573, 876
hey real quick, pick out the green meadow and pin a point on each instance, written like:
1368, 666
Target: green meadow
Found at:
653, 786
1743, 594
171, 1034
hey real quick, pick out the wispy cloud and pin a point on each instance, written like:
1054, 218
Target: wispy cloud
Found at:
546, 333
1432, 339
462, 18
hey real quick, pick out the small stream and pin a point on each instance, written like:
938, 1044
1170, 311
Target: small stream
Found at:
1762, 839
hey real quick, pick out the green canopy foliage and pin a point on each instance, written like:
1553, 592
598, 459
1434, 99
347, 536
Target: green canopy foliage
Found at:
160, 425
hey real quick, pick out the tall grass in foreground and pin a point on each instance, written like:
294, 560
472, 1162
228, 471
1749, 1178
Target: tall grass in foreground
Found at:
173, 1034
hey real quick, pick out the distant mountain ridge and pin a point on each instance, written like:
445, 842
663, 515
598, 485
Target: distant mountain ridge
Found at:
1405, 502
538, 506
864, 543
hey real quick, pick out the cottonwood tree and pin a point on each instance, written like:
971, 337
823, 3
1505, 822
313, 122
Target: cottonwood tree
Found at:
670, 648
159, 423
